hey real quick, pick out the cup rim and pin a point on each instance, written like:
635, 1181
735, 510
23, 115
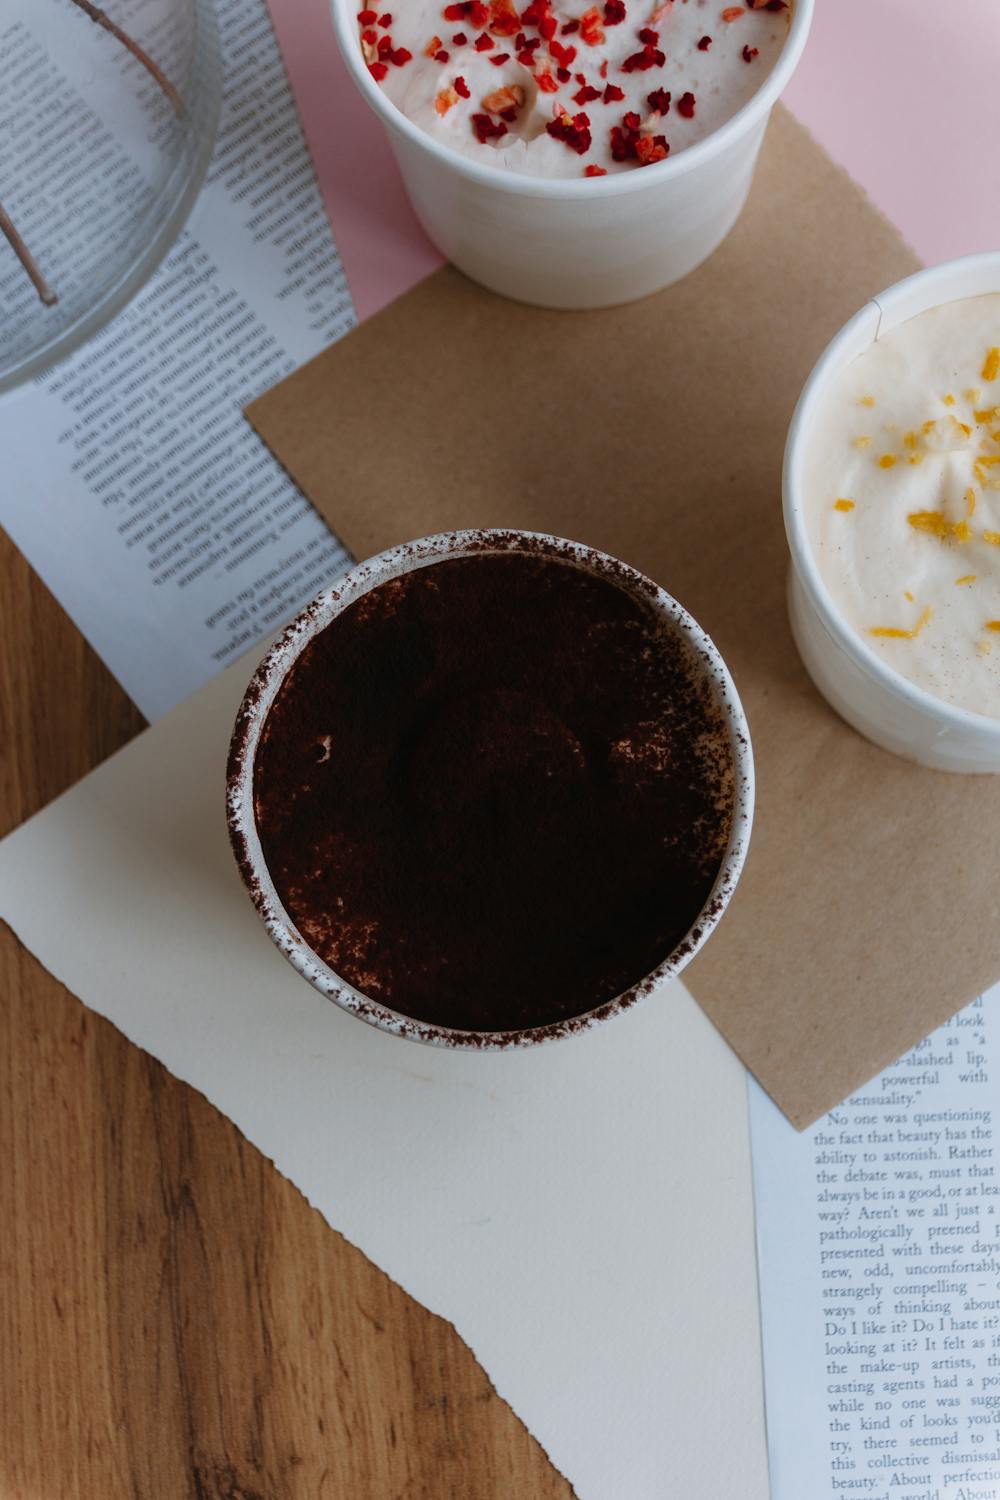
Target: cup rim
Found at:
935, 286
279, 660
615, 183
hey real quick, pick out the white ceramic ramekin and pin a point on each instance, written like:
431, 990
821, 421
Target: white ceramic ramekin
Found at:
278, 662
877, 700
580, 242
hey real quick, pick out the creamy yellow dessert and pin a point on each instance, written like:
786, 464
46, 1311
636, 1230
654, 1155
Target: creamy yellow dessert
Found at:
903, 500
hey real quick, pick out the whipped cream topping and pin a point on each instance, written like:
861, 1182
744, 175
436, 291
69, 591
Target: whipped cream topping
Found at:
573, 89
903, 500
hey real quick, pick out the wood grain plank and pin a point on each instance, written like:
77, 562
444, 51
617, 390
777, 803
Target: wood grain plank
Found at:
61, 711
175, 1320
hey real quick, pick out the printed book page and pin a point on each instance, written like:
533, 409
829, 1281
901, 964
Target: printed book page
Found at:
130, 479
879, 1246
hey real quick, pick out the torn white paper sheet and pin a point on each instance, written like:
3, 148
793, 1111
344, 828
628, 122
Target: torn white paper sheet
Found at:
582, 1211
129, 478
879, 1233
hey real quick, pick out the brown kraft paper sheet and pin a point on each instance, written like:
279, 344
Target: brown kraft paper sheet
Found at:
867, 913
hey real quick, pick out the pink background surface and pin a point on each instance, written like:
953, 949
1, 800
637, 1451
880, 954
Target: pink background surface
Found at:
903, 93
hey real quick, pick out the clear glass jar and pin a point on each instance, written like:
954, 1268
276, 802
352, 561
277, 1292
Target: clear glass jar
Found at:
100, 161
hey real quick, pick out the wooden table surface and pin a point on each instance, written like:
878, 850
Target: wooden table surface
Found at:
175, 1320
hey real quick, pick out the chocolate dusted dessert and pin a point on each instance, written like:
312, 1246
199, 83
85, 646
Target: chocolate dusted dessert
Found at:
495, 792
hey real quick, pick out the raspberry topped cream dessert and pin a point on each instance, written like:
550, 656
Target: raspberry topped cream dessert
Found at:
552, 90
903, 500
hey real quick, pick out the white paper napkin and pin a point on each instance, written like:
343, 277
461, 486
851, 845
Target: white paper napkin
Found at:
582, 1212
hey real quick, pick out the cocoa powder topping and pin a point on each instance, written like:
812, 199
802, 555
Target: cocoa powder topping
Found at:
494, 792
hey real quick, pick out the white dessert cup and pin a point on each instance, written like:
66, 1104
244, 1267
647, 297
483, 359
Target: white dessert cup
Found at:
278, 662
878, 701
578, 242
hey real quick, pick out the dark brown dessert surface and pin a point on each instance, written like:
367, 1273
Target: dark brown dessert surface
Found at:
494, 792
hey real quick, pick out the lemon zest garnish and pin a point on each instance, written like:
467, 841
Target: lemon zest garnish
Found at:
992, 537
907, 595
887, 461
936, 523
910, 440
966, 578
929, 427
993, 625
988, 460
987, 415
843, 505
948, 400
915, 458
991, 369
862, 443
892, 633
965, 428
973, 394
867, 400
970, 501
